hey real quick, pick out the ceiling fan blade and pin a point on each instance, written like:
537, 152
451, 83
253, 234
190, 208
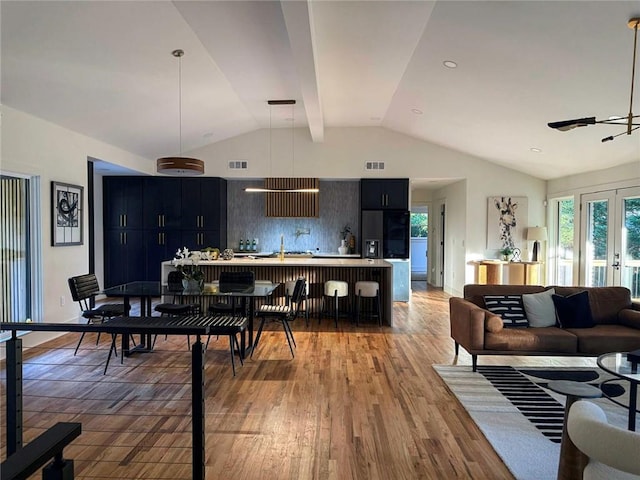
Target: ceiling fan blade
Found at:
565, 125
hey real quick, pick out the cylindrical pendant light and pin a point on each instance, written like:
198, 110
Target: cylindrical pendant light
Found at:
180, 166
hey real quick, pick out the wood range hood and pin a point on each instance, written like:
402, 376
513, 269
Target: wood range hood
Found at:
281, 199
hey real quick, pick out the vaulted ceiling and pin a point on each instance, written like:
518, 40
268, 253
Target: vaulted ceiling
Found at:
105, 69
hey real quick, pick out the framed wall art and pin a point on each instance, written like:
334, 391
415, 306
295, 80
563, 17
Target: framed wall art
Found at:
507, 219
66, 214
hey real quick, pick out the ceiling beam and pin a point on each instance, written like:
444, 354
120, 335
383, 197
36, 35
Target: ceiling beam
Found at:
298, 17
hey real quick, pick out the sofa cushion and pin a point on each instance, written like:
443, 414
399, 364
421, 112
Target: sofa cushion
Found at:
605, 302
494, 323
606, 338
475, 292
509, 308
573, 311
539, 308
544, 339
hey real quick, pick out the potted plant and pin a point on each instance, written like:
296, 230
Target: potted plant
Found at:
186, 262
506, 253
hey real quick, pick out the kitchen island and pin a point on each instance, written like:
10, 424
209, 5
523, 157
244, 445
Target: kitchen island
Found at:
315, 270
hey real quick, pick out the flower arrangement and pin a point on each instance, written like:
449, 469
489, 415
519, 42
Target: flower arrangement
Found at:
186, 262
346, 231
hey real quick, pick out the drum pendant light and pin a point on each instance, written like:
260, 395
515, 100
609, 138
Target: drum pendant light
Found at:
180, 166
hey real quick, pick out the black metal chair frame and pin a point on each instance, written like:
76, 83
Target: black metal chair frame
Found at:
283, 314
233, 282
84, 289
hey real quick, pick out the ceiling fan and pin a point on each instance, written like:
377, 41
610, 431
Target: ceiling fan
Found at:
631, 121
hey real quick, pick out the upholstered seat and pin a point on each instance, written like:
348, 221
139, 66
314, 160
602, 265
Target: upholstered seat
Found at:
335, 289
612, 451
365, 289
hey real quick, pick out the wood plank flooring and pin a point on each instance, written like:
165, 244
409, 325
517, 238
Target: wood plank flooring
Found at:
355, 403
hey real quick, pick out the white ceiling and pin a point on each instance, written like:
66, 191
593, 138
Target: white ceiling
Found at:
105, 69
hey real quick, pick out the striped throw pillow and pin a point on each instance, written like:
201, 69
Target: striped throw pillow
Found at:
509, 307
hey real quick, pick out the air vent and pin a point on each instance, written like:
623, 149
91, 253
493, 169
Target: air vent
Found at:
374, 166
238, 165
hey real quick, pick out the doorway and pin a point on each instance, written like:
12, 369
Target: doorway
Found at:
419, 243
610, 239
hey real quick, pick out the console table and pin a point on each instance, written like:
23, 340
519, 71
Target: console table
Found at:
500, 272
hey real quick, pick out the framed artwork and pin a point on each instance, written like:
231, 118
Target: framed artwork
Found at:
66, 214
507, 219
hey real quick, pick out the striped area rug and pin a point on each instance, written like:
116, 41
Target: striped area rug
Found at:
520, 417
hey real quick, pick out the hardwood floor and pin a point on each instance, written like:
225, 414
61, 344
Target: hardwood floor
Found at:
355, 403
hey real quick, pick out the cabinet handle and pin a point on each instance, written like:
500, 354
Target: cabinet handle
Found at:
124, 220
121, 239
159, 239
164, 240
124, 235
159, 220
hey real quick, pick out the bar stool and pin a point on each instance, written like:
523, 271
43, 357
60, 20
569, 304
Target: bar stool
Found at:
368, 290
288, 292
336, 289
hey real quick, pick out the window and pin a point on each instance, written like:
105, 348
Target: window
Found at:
20, 264
562, 243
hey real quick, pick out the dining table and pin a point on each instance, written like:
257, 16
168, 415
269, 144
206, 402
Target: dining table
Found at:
145, 291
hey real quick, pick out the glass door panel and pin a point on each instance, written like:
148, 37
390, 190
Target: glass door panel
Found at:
598, 237
629, 262
611, 239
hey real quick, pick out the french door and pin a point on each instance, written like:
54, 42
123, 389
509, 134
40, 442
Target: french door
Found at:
610, 239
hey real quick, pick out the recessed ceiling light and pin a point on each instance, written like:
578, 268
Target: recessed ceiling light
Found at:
536, 150
450, 64
416, 111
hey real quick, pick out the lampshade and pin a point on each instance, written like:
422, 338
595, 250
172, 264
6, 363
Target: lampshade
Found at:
537, 233
181, 166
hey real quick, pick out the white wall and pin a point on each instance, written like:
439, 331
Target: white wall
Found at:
35, 147
627, 175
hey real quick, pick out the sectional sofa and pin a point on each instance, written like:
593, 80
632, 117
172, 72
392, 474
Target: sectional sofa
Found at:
579, 321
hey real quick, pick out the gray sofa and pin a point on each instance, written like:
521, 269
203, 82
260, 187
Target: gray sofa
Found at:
616, 326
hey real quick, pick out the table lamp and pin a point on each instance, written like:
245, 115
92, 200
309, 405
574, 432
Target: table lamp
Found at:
536, 234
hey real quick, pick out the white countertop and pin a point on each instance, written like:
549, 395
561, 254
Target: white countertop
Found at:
338, 261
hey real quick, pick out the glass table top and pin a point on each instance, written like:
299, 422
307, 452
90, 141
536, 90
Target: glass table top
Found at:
617, 364
156, 289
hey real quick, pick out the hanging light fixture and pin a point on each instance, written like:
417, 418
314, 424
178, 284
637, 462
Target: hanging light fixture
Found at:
631, 121
180, 166
295, 185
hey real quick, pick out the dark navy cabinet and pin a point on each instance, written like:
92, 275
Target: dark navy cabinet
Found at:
384, 194
147, 219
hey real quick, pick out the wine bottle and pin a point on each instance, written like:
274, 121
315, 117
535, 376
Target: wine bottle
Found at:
241, 245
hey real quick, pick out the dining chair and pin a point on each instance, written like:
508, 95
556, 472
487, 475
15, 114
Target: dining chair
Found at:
175, 308
283, 314
84, 289
232, 282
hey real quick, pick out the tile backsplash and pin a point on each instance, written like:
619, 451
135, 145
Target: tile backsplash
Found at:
339, 206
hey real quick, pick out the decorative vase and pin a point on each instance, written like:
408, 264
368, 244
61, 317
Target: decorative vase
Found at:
192, 285
227, 254
342, 249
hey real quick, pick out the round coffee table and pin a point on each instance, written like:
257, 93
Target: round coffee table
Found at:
572, 461
617, 365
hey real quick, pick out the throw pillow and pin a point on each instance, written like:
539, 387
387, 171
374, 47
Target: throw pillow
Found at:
574, 311
539, 308
509, 307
